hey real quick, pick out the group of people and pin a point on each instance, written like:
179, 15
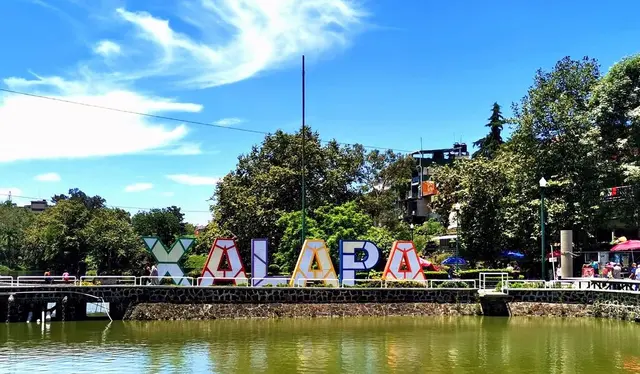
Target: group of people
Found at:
152, 272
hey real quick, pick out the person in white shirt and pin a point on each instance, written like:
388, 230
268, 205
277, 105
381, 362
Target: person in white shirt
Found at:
558, 273
617, 271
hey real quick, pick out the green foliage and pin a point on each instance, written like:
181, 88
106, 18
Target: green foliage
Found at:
4, 270
111, 241
166, 223
13, 223
452, 284
489, 145
194, 264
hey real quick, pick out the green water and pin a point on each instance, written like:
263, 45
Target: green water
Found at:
352, 345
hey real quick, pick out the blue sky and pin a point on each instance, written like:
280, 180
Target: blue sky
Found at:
383, 73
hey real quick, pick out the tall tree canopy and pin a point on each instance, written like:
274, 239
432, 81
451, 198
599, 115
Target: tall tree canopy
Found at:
489, 145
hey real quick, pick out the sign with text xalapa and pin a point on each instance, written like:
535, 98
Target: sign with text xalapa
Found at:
314, 264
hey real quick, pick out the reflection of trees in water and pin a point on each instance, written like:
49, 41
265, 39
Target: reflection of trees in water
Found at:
426, 344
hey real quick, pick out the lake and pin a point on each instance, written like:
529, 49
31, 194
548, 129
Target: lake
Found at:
351, 345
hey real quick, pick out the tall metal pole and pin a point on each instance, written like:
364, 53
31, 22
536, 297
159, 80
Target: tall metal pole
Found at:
542, 234
304, 211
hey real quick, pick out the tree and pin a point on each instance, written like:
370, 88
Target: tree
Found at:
479, 185
555, 137
113, 246
330, 223
13, 223
615, 107
166, 223
54, 240
386, 178
90, 202
266, 183
489, 145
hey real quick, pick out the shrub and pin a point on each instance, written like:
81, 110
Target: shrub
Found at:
532, 284
452, 284
4, 270
92, 273
274, 269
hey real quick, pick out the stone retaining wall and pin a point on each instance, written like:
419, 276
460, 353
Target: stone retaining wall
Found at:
161, 311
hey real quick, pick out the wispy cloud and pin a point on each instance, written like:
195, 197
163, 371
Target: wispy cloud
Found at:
138, 187
48, 177
106, 48
119, 133
242, 38
193, 180
232, 121
185, 149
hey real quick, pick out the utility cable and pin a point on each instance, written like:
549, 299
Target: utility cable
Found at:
174, 119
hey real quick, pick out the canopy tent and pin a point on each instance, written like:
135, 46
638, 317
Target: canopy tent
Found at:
512, 254
428, 265
629, 245
454, 261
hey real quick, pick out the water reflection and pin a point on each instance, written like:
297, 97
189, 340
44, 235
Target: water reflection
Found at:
357, 345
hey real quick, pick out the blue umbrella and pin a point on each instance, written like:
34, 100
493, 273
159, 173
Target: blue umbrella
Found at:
454, 261
512, 254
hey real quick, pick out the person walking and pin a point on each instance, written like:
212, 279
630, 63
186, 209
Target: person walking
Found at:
154, 275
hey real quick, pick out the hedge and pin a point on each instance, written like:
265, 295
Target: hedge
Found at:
465, 274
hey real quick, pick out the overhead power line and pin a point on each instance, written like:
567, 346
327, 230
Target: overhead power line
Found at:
174, 119
107, 205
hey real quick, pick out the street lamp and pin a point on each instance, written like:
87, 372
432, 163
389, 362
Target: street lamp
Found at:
411, 226
543, 185
456, 206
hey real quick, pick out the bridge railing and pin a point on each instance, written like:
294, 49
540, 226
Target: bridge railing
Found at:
109, 280
150, 280
260, 282
6, 280
45, 280
211, 281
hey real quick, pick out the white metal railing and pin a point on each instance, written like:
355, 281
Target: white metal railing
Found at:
301, 281
109, 279
41, 279
238, 281
6, 280
360, 280
253, 281
489, 281
152, 280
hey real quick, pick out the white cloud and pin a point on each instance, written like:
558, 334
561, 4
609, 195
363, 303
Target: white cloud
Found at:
241, 38
138, 187
4, 191
185, 149
48, 177
107, 48
193, 180
229, 121
35, 128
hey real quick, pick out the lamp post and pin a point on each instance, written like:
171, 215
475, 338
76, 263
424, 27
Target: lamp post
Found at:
411, 227
543, 185
457, 209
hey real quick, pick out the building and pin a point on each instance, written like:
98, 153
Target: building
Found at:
416, 206
37, 206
